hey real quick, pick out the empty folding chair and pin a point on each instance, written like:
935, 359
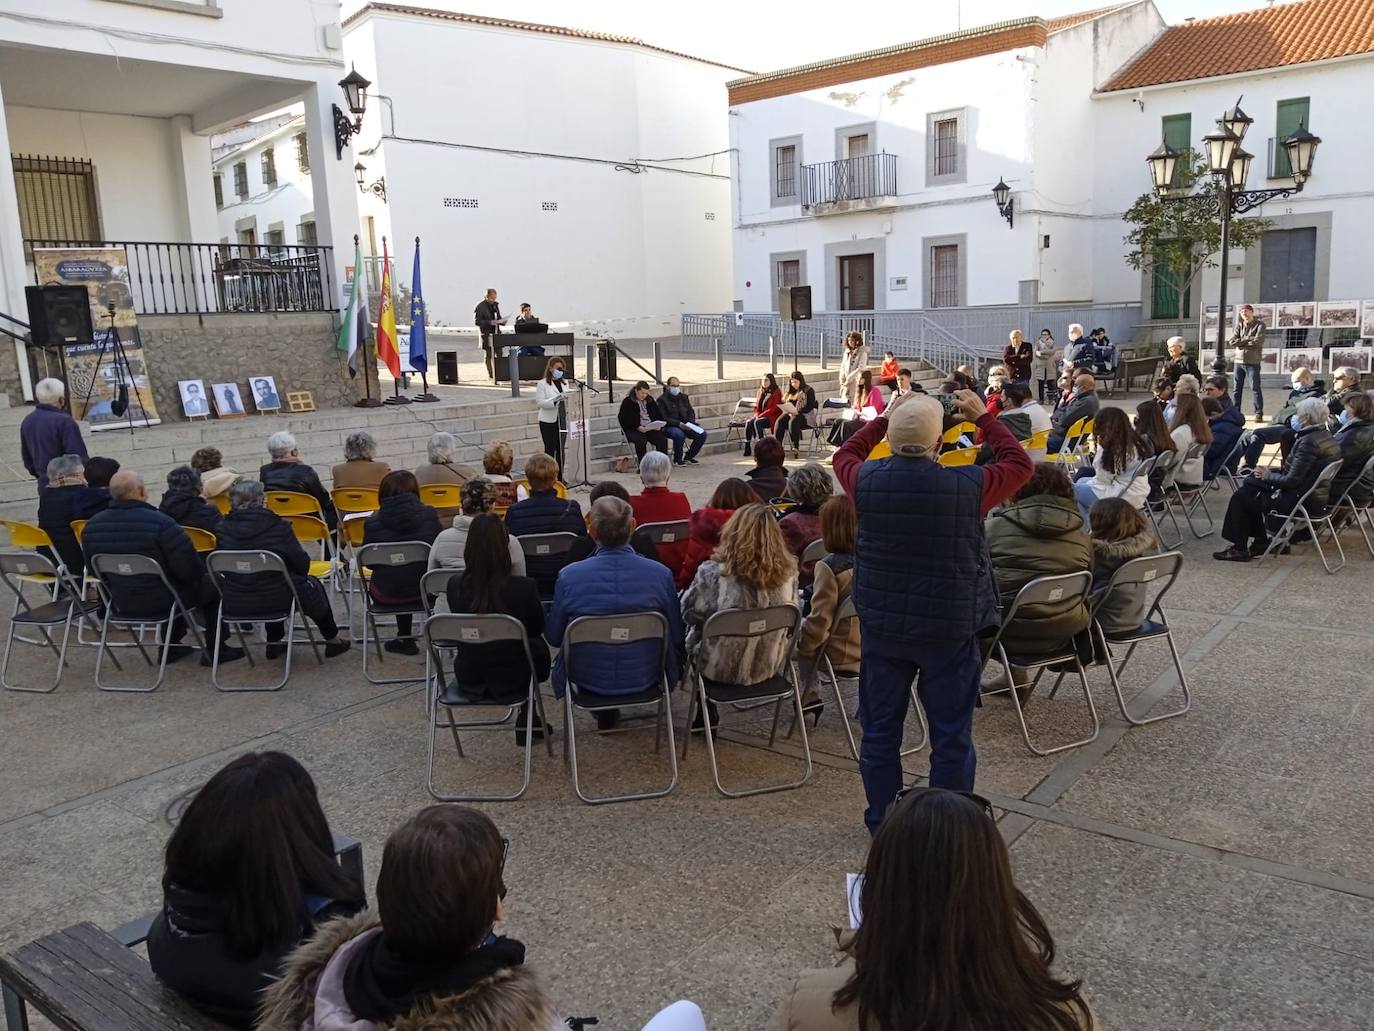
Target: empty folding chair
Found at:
750, 624
312, 531
1040, 591
45, 617
114, 575
545, 555
1166, 465
1308, 512
397, 555
739, 418
617, 630
447, 629
268, 566
433, 590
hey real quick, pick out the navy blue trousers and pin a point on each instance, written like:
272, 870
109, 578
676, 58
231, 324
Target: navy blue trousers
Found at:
950, 681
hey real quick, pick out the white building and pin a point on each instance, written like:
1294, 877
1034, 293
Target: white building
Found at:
262, 184
106, 108
585, 173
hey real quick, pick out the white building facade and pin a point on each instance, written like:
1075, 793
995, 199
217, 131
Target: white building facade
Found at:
584, 173
262, 185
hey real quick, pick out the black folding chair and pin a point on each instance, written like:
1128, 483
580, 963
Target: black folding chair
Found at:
112, 571
268, 566
545, 556
1041, 591
396, 555
448, 629
1360, 515
617, 630
15, 570
1313, 515
749, 624
670, 532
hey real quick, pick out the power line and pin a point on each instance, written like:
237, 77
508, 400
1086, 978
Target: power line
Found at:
635, 165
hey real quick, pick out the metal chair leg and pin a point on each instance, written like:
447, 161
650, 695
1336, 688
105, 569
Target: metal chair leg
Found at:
1021, 715
1113, 673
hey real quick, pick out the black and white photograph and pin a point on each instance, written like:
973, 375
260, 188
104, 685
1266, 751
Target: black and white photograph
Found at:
1338, 314
228, 400
1296, 315
1209, 321
1269, 361
1367, 319
1357, 357
193, 400
1294, 358
265, 398
1266, 313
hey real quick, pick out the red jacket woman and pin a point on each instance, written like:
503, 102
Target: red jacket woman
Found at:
707, 523
767, 409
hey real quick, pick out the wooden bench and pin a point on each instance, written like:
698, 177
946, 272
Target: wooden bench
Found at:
82, 979
1130, 369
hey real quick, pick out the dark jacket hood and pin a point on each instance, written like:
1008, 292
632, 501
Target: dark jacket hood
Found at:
243, 523
1045, 516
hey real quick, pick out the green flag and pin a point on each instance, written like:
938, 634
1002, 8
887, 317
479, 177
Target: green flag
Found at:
348, 332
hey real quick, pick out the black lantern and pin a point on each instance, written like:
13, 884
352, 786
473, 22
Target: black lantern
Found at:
1237, 121
1220, 148
1163, 162
377, 189
1001, 195
1302, 149
1240, 167
355, 87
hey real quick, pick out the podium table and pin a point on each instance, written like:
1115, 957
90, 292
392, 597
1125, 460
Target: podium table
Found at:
555, 345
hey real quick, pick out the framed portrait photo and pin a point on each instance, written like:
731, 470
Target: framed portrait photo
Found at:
195, 404
228, 400
265, 396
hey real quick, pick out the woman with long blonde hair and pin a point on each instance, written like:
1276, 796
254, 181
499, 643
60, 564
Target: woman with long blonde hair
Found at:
752, 568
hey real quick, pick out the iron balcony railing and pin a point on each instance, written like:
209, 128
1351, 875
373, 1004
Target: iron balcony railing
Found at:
217, 278
872, 175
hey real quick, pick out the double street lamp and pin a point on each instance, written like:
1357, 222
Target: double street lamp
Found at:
1229, 164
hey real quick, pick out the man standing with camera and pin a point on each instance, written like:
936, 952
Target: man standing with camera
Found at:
489, 323
923, 596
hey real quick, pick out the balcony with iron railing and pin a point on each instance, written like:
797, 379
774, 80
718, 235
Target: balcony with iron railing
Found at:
853, 183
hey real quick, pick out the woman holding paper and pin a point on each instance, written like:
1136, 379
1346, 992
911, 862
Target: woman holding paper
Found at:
549, 399
798, 401
868, 406
767, 408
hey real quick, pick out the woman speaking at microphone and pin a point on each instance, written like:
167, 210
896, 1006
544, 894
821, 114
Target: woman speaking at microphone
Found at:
549, 399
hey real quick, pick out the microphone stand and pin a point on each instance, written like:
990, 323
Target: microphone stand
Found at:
585, 450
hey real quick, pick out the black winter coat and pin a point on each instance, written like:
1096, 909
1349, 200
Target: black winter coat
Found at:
628, 416
769, 482
130, 527
187, 951
498, 670
57, 508
1313, 450
1178, 367
190, 509
1357, 444
402, 517
675, 410
545, 512
257, 529
302, 478
1290, 407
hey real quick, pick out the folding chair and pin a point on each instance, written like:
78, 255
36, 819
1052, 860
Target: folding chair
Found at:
739, 418
1313, 515
1040, 591
672, 532
202, 540
397, 555
351, 500
440, 495
1144, 572
1228, 461
959, 457
1037, 441
350, 539
749, 624
845, 612
224, 564
109, 571
1166, 464
1074, 440
447, 630
433, 588
545, 556
30, 537
221, 502
312, 530
13, 569
815, 425
293, 502
617, 630
814, 552
1360, 516
558, 487
1189, 497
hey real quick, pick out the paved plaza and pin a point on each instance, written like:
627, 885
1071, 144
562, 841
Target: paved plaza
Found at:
1214, 871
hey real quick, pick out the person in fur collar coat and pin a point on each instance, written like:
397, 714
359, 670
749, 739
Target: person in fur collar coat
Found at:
1120, 532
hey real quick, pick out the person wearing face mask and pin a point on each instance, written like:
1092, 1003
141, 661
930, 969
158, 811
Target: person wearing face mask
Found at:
997, 379
681, 418
1281, 432
1269, 491
1345, 384
1080, 354
1083, 404
550, 401
1045, 367
1355, 435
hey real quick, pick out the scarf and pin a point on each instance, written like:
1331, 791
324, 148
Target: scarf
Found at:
380, 984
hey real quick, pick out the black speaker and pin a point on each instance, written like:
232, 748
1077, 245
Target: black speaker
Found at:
448, 367
59, 315
794, 303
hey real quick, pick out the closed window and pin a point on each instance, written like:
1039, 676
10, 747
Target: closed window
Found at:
784, 171
57, 200
302, 153
219, 191
946, 160
786, 162
276, 239
1177, 132
269, 168
947, 146
944, 276
241, 180
789, 272
305, 234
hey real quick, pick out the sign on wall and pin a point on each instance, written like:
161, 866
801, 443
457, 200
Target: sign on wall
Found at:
100, 376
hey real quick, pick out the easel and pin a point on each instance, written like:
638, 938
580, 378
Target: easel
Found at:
122, 370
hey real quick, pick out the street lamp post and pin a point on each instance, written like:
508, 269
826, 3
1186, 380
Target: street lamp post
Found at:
1229, 164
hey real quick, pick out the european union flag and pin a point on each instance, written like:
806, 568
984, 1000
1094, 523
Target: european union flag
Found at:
419, 360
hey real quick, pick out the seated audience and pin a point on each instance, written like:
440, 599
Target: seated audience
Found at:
477, 496
67, 499
1083, 404
401, 517
99, 472
131, 526
1227, 425
1120, 532
613, 580
834, 575
250, 874
905, 384
802, 399
428, 957
250, 526
1120, 450
214, 477
360, 467
657, 504
498, 671
752, 569
1356, 438
887, 372
767, 408
1150, 424
870, 405
1267, 492
675, 407
1345, 384
768, 477
1179, 363
1162, 390
937, 890
1024, 416
442, 469
1187, 384
1188, 427
545, 512
184, 500
1105, 352
1080, 355
707, 522
997, 379
497, 461
286, 471
639, 540
638, 417
1219, 387
1282, 431
809, 486
1039, 533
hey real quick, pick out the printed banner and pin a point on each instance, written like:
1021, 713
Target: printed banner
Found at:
101, 377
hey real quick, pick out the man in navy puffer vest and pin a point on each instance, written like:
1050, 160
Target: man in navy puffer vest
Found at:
923, 584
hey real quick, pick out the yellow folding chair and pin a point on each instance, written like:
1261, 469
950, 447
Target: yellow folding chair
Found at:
952, 435
221, 502
1037, 441
293, 502
960, 456
78, 528
30, 537
1073, 442
202, 540
440, 495
558, 488
355, 499
314, 530
882, 449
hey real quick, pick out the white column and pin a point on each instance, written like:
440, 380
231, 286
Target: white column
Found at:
13, 273
331, 178
191, 158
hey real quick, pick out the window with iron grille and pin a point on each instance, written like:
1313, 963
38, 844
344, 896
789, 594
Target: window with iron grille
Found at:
944, 276
57, 199
305, 234
789, 272
947, 146
219, 191
269, 167
302, 153
786, 163
241, 180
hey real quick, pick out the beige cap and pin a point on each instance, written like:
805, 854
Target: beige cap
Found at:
914, 427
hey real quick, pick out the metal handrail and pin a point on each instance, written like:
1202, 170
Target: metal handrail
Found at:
856, 178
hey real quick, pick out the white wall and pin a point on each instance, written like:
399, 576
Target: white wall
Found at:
285, 203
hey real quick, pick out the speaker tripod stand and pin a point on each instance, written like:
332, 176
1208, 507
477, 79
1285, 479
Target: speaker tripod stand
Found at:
120, 360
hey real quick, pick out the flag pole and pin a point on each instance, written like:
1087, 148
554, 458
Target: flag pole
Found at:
385, 304
424, 396
360, 281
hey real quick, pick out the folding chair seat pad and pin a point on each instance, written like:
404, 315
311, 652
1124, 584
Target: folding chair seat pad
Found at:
1066, 655
391, 608
1149, 628
455, 695
595, 699
720, 691
54, 612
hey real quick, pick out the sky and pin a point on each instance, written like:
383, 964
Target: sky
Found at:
761, 36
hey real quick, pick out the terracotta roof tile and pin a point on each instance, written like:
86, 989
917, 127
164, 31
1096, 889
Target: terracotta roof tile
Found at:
1271, 37
1070, 20
524, 26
